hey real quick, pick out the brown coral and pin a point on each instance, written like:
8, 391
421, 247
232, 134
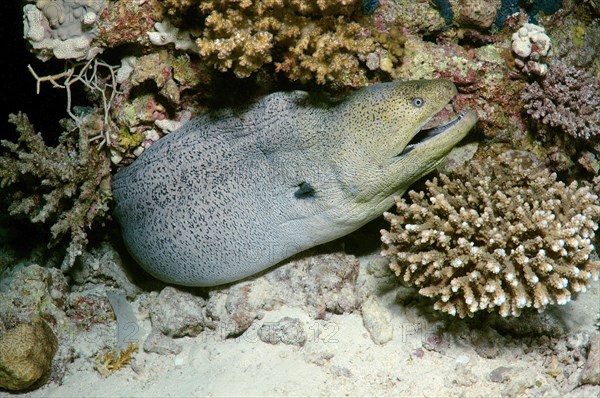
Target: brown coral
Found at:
499, 234
26, 352
476, 13
67, 186
305, 40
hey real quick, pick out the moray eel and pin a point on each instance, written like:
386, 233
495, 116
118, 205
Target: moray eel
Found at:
235, 192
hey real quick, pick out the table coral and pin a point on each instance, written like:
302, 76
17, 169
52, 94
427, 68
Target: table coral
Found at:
501, 234
67, 186
305, 40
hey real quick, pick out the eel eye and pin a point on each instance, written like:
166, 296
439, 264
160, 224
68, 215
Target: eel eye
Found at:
418, 102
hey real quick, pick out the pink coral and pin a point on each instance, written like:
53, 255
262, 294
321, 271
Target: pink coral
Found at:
568, 99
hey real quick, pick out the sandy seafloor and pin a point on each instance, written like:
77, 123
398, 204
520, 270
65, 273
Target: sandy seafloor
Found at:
429, 354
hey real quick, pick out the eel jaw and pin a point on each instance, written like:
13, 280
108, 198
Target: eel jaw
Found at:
425, 134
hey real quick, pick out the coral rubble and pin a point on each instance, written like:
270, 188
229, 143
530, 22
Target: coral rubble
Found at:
67, 186
499, 235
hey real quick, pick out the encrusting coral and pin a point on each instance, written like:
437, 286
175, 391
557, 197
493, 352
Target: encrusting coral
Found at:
67, 185
498, 235
305, 39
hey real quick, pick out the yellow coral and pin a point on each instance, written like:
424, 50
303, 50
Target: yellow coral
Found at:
26, 353
110, 361
305, 40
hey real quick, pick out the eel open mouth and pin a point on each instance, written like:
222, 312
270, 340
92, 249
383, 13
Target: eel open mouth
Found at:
427, 133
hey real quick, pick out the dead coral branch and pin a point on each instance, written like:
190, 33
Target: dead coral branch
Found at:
103, 85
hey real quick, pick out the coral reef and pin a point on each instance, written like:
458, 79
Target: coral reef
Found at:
26, 351
67, 186
533, 47
305, 40
63, 29
166, 33
506, 10
409, 15
368, 7
568, 99
481, 76
32, 289
501, 234
445, 9
482, 13
479, 14
126, 22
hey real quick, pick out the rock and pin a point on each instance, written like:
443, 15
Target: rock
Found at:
287, 330
465, 378
437, 341
32, 289
103, 265
486, 342
377, 321
89, 306
591, 372
26, 352
314, 353
158, 343
177, 313
232, 310
322, 283
319, 284
458, 156
500, 374
530, 323
583, 391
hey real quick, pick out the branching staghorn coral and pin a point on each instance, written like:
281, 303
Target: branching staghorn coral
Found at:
306, 40
67, 186
498, 235
567, 99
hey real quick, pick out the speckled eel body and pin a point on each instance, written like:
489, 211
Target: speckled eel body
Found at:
235, 192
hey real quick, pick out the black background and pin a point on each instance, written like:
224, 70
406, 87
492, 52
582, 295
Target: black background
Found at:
17, 85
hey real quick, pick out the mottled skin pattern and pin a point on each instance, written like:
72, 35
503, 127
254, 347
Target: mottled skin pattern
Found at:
231, 194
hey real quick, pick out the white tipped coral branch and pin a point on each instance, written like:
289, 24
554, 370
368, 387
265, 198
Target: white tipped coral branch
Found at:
498, 236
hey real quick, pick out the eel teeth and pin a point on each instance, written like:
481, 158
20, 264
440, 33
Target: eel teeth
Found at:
427, 134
